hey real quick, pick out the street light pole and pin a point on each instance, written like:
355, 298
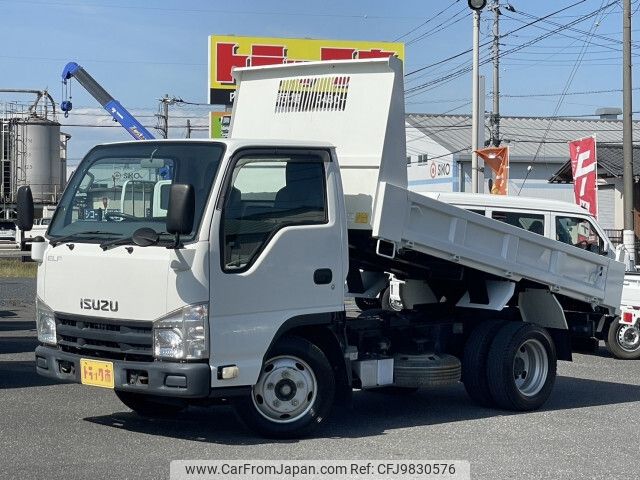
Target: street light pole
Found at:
628, 234
476, 6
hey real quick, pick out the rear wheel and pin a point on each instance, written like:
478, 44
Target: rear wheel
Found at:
474, 361
623, 340
521, 367
149, 405
294, 392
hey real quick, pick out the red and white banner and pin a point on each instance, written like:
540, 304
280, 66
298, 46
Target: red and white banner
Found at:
584, 167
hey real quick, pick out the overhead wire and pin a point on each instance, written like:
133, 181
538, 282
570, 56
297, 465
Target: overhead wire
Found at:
411, 92
430, 19
568, 83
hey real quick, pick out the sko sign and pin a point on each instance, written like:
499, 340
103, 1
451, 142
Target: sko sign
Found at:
584, 168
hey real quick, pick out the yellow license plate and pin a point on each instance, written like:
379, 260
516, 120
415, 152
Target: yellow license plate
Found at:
96, 373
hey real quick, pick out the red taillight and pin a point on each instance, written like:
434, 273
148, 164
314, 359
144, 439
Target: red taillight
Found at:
627, 317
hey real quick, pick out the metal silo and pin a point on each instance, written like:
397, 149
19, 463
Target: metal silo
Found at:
40, 162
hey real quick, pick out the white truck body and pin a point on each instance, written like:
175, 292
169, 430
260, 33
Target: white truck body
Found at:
254, 295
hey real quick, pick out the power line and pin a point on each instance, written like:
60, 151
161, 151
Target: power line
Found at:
456, 74
280, 13
568, 83
425, 22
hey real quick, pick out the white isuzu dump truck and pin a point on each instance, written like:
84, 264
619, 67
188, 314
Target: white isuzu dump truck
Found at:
184, 272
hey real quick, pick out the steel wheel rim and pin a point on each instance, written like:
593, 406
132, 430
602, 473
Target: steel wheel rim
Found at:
530, 367
628, 338
286, 390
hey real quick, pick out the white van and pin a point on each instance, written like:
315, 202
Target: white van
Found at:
571, 224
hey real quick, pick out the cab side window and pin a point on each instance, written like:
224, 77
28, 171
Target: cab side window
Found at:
580, 233
528, 221
266, 194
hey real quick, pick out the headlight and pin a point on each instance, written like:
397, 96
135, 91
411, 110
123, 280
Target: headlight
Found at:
183, 334
45, 323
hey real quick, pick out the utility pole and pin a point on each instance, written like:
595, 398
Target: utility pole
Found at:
475, 114
163, 118
495, 116
188, 128
628, 234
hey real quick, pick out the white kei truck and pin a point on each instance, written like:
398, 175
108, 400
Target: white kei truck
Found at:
183, 272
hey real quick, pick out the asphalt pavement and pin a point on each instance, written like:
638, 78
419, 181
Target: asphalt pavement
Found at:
588, 429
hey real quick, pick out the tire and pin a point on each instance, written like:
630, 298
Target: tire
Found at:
386, 302
149, 405
521, 367
294, 392
365, 304
623, 341
474, 362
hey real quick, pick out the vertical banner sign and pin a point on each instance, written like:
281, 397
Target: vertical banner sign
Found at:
584, 168
498, 159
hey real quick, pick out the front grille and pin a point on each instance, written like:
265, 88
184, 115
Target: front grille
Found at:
105, 338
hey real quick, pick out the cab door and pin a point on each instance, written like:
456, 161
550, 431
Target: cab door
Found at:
280, 247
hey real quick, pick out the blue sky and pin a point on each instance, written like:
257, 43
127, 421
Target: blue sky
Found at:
141, 51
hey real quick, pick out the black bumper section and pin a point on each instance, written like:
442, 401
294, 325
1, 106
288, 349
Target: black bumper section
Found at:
183, 380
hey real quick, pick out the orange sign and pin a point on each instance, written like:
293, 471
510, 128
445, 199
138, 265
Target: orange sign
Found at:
227, 52
498, 159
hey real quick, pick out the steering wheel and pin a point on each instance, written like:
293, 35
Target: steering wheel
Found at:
111, 216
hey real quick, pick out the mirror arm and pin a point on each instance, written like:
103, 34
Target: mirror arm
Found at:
177, 243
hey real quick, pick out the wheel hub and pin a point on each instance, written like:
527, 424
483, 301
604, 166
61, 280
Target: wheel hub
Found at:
530, 367
629, 337
286, 389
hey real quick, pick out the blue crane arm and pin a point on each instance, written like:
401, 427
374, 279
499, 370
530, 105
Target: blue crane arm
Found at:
110, 104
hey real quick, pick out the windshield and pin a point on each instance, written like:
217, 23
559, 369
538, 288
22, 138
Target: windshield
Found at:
118, 189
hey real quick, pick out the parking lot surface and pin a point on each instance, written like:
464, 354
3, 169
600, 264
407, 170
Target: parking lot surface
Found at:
588, 429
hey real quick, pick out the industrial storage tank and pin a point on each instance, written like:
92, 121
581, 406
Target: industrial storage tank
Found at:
39, 165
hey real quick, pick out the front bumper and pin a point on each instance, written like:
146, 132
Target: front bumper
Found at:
183, 380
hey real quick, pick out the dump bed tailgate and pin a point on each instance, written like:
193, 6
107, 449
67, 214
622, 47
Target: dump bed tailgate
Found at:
413, 221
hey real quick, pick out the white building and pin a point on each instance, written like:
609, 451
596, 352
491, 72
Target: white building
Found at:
439, 156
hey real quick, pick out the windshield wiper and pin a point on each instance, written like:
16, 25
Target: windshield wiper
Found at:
115, 242
57, 241
142, 237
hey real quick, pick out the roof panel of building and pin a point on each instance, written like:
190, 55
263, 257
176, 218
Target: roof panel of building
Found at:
609, 157
527, 137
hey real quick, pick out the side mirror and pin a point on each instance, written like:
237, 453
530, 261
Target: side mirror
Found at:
25, 209
181, 210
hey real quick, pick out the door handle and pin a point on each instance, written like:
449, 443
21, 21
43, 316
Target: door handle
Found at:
322, 276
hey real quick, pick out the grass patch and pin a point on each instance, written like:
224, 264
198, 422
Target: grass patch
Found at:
10, 267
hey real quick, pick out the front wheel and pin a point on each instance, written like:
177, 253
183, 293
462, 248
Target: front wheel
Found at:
623, 340
294, 392
521, 367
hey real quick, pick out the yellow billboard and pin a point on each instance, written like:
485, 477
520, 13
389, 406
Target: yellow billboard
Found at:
228, 51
